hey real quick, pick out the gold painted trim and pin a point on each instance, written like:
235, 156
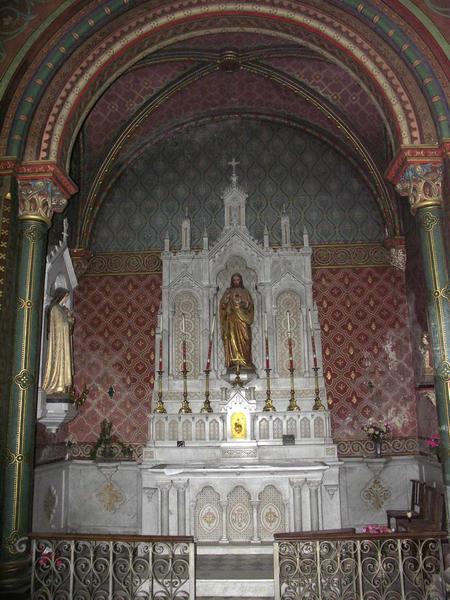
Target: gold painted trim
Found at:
425, 204
33, 217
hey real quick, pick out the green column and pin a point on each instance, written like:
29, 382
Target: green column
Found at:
36, 207
423, 184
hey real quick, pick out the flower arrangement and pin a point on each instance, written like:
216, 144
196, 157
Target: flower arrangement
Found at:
376, 431
49, 558
376, 529
434, 445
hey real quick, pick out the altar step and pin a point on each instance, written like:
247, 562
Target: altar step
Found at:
237, 572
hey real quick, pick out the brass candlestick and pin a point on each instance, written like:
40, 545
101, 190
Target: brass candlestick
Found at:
292, 402
160, 408
317, 402
268, 405
206, 408
185, 408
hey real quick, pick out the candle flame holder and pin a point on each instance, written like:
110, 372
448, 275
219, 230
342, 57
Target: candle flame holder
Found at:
160, 408
206, 408
317, 402
268, 405
293, 406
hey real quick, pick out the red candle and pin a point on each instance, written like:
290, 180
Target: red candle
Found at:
313, 342
183, 349
267, 353
291, 358
160, 354
211, 334
208, 360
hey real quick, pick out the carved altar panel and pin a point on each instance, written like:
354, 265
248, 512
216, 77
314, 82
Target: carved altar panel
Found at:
271, 512
186, 304
208, 515
239, 515
289, 301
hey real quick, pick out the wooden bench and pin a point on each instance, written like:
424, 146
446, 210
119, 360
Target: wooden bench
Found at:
416, 505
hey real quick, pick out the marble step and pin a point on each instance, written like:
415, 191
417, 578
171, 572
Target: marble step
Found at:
234, 576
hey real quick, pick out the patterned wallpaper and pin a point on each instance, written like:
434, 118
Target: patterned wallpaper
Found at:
114, 346
366, 348
365, 337
279, 165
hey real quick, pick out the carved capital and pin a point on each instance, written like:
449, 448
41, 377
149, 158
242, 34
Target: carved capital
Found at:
297, 483
422, 183
397, 252
39, 199
313, 484
180, 486
81, 259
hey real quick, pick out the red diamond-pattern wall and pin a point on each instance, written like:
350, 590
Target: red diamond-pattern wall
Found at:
114, 347
365, 341
366, 346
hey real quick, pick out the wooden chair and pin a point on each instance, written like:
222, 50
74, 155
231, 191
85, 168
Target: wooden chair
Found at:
433, 516
417, 493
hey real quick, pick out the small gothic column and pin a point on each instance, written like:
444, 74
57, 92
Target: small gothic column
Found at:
38, 199
297, 485
224, 505
422, 183
314, 504
181, 486
255, 538
164, 488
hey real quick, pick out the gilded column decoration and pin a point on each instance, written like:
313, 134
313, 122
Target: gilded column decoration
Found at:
38, 199
422, 183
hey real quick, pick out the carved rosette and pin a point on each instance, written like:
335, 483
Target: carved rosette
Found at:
422, 183
39, 199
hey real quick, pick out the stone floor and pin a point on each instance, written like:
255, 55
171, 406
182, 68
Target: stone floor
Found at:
234, 577
235, 566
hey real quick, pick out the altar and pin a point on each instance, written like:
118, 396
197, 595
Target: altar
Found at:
239, 444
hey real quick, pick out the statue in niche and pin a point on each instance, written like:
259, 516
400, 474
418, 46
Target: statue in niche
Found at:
58, 375
236, 318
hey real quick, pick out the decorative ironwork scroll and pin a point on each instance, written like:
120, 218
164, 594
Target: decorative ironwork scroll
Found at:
115, 567
357, 566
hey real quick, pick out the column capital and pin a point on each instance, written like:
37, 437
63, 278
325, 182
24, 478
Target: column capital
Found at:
297, 483
422, 184
44, 187
39, 200
180, 486
313, 484
418, 154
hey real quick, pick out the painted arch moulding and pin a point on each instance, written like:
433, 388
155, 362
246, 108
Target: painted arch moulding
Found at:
343, 38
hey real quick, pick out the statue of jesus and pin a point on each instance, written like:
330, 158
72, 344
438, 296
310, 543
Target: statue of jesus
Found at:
236, 318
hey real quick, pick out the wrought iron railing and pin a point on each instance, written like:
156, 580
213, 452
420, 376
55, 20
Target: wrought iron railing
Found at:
343, 566
119, 567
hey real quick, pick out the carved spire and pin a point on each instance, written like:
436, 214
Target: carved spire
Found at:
186, 232
285, 229
234, 199
266, 237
